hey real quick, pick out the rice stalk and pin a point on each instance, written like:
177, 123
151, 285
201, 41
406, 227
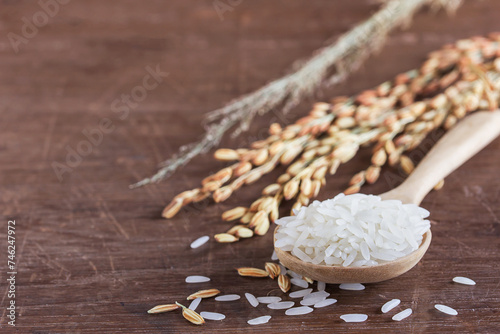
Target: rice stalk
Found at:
341, 58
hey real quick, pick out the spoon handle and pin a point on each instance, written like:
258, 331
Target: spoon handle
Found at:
457, 146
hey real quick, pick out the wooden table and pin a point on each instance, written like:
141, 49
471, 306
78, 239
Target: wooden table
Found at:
93, 256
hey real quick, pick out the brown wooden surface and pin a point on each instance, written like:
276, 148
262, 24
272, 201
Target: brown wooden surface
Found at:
94, 256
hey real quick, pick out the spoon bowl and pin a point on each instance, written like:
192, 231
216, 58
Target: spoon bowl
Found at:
458, 145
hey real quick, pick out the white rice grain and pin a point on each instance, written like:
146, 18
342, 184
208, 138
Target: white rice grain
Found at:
251, 299
197, 279
293, 274
312, 301
212, 315
402, 315
390, 305
268, 299
317, 293
280, 305
354, 317
260, 320
353, 231
274, 256
299, 310
300, 293
314, 298
321, 286
463, 280
194, 304
326, 302
299, 282
200, 241
352, 286
227, 298
446, 309
282, 269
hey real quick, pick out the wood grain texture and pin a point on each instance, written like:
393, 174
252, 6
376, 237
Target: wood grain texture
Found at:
93, 256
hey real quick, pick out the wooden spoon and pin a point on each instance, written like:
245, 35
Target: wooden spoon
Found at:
458, 145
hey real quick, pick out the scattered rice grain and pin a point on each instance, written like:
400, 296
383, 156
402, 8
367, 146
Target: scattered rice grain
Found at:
260, 320
299, 282
402, 315
314, 298
280, 305
352, 286
300, 293
200, 241
212, 315
251, 299
268, 299
227, 298
446, 309
390, 305
463, 280
194, 304
299, 310
197, 279
326, 302
354, 317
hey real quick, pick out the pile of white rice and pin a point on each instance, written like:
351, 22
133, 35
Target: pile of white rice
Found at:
353, 230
